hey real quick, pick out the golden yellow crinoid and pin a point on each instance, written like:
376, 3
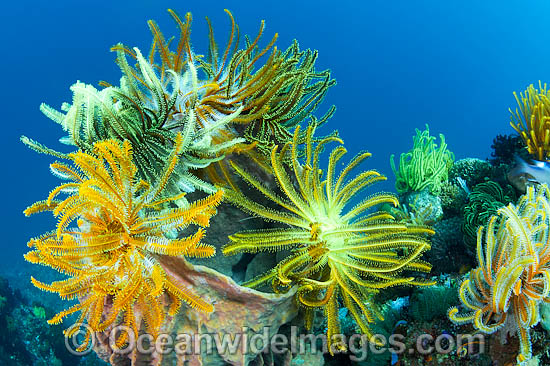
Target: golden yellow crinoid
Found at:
277, 91
273, 89
513, 276
532, 120
336, 253
111, 257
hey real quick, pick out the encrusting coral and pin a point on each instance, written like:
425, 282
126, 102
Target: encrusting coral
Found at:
513, 276
335, 253
469, 172
425, 166
532, 120
111, 257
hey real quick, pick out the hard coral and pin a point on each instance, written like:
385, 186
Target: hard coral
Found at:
473, 171
453, 197
447, 254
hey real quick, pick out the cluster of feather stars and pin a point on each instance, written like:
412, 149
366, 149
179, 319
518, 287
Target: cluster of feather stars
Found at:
164, 132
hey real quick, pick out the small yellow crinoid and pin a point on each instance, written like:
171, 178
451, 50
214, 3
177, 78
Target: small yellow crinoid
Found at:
335, 252
532, 120
111, 257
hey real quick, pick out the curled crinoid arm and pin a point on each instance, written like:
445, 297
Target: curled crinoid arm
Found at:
336, 252
111, 257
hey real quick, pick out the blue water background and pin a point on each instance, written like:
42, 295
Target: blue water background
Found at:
398, 64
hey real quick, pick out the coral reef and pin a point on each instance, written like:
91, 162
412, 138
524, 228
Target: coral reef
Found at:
25, 340
425, 166
453, 197
472, 170
154, 155
505, 147
425, 208
416, 208
432, 302
544, 311
447, 254
172, 123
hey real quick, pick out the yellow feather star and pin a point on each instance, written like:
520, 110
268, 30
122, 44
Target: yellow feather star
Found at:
110, 259
335, 253
513, 276
532, 120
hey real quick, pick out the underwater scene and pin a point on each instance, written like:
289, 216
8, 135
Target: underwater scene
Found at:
276, 184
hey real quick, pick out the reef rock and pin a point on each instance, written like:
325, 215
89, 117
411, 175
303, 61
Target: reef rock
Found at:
544, 312
472, 170
425, 205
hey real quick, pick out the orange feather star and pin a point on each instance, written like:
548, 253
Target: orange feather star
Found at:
111, 258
